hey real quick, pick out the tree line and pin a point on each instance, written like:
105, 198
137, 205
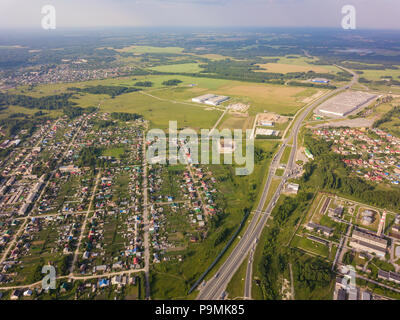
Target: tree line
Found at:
112, 91
54, 102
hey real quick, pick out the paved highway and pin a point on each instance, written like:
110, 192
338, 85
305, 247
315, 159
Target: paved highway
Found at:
214, 289
249, 274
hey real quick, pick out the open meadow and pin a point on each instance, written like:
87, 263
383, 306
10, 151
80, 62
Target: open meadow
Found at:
296, 64
160, 103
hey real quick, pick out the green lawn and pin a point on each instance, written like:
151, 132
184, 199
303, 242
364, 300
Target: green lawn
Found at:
286, 155
235, 288
116, 152
309, 245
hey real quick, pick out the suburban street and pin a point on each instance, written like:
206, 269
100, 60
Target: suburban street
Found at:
146, 223
84, 223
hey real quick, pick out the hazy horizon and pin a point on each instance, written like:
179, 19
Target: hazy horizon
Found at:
371, 14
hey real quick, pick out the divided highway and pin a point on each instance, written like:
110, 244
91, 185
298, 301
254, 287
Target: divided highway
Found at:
214, 289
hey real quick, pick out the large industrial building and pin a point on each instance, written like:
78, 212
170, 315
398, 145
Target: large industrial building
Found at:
367, 242
216, 101
266, 132
345, 103
203, 98
211, 99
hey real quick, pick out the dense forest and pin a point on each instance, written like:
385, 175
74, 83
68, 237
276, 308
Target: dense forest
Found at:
73, 112
44, 103
125, 116
112, 91
90, 157
310, 273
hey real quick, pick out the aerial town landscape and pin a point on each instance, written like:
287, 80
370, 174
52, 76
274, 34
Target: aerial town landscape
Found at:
226, 164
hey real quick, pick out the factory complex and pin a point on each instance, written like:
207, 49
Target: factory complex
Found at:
345, 103
210, 99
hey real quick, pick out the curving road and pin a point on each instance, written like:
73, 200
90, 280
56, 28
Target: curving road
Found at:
214, 289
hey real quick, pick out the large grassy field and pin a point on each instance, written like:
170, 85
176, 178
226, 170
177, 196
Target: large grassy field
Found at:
236, 122
297, 64
149, 49
380, 74
159, 113
275, 98
235, 288
179, 68
261, 97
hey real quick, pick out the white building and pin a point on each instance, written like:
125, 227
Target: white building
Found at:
203, 98
216, 100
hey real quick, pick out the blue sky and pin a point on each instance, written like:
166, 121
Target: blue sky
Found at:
371, 14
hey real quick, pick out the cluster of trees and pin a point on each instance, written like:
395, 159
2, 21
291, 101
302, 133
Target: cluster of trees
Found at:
112, 91
348, 258
312, 273
288, 207
14, 126
389, 81
125, 116
102, 124
44, 103
276, 257
364, 66
311, 84
18, 115
387, 117
144, 84
270, 266
259, 154
73, 112
88, 157
172, 82
222, 236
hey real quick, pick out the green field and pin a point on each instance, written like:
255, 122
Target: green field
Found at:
235, 288
310, 246
150, 49
379, 74
179, 68
114, 152
297, 64
159, 113
286, 155
162, 103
